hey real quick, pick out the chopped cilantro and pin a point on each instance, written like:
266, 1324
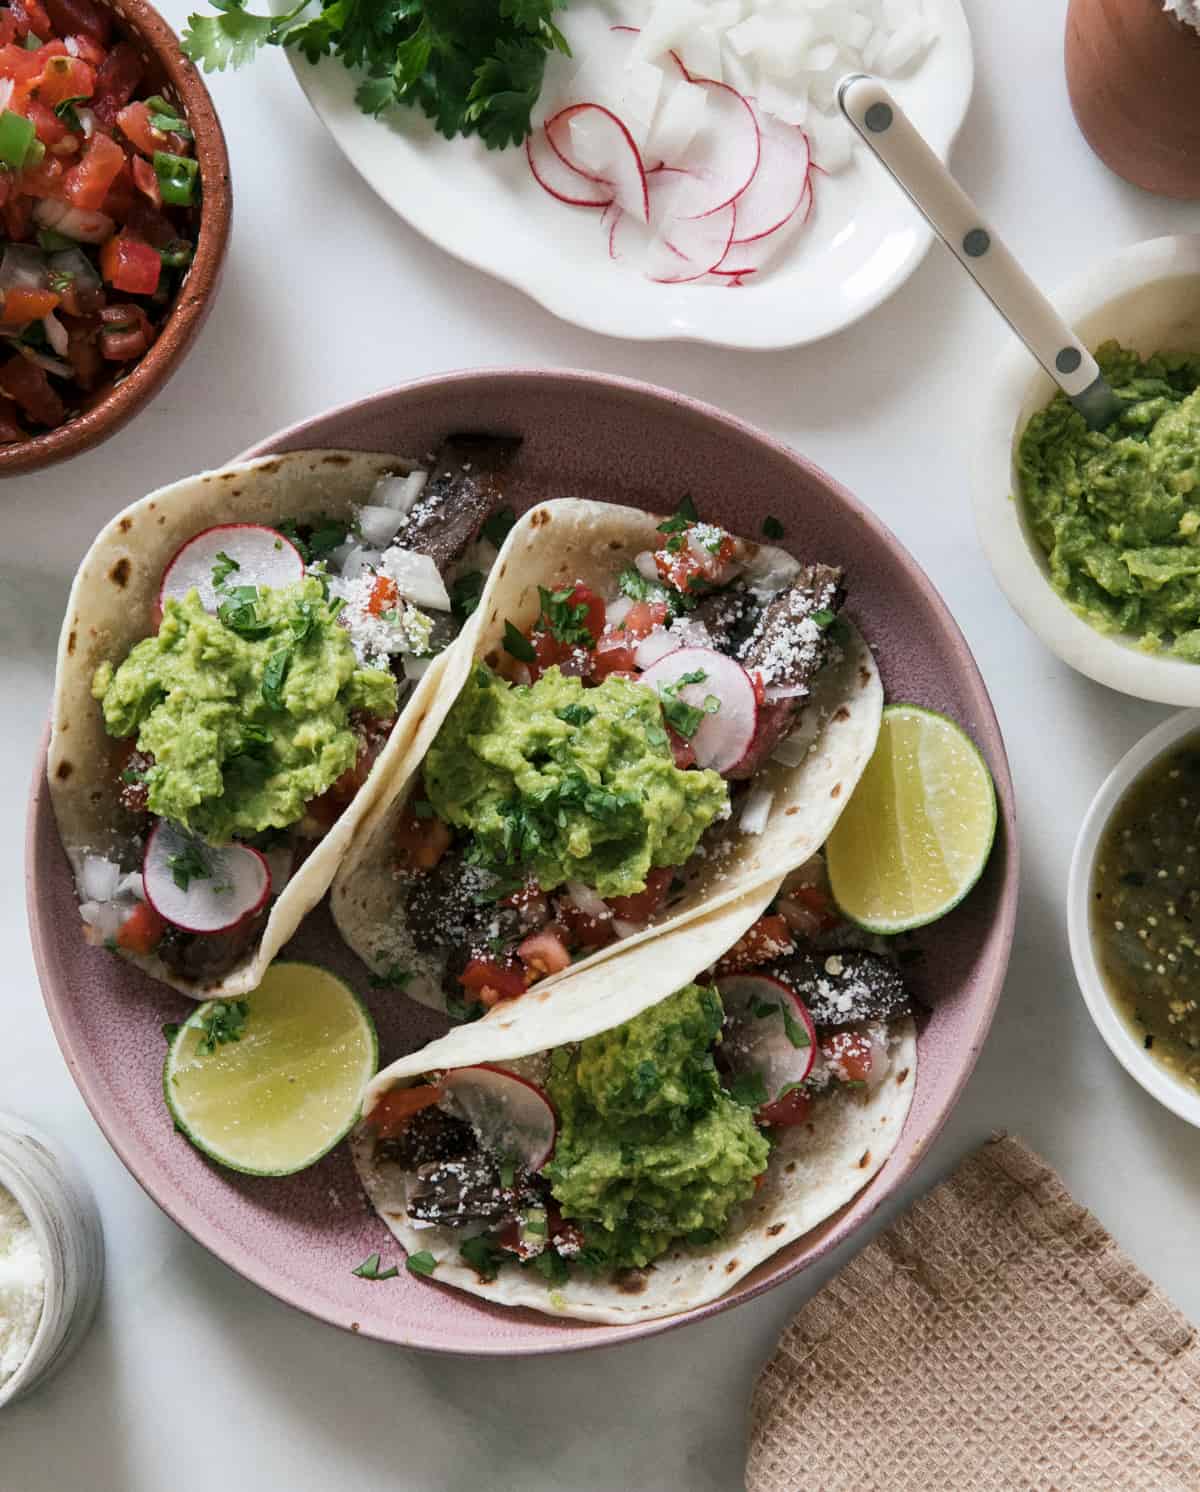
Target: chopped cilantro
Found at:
633, 583
222, 1023
172, 1029
518, 645
823, 617
498, 527
797, 1031
685, 719
393, 977
748, 1089
551, 1266
423, 1263
65, 110
165, 116
223, 568
327, 536
369, 1269
274, 674
240, 612
255, 739
465, 593
483, 1255
190, 864
575, 714
772, 528
134, 775
675, 543
683, 518
564, 618
302, 621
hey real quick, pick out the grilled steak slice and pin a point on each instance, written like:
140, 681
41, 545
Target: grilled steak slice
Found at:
469, 1190
464, 488
198, 956
431, 1135
728, 617
444, 911
843, 988
786, 649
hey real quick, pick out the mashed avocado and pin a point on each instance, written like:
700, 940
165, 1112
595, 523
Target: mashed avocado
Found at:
245, 713
568, 783
1117, 511
650, 1147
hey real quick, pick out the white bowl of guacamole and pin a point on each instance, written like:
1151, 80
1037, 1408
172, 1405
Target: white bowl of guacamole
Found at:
1147, 299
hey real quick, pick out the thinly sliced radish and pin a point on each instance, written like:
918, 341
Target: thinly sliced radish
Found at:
199, 888
512, 1117
262, 556
563, 182
672, 250
779, 186
724, 155
770, 1031
678, 120
723, 737
590, 139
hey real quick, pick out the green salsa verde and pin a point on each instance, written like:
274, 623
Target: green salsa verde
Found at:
1117, 511
246, 713
1146, 909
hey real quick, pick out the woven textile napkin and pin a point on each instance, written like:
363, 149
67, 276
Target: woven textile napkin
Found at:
995, 1338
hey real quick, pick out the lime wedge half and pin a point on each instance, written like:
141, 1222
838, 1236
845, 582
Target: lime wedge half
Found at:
917, 833
269, 1083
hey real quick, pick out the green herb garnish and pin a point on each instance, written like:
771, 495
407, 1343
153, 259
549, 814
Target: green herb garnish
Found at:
465, 593
483, 1255
823, 618
395, 977
369, 1269
274, 674
575, 714
190, 864
564, 618
423, 1263
682, 519
517, 645
223, 568
748, 1089
222, 1023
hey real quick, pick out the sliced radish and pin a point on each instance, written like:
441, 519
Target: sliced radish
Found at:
590, 139
262, 556
679, 119
770, 1031
512, 1118
672, 250
199, 888
723, 737
779, 186
724, 155
655, 645
563, 182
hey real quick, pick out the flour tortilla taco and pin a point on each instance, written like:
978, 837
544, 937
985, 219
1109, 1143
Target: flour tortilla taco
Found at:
635, 1146
654, 719
246, 655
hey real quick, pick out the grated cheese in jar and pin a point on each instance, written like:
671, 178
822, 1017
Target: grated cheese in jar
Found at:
22, 1286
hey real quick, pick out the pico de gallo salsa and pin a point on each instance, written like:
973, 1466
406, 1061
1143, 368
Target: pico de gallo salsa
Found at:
99, 204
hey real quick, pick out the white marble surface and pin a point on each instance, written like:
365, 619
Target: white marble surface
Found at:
192, 1379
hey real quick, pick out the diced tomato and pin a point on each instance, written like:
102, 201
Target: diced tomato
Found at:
50, 128
8, 28
850, 1055
81, 17
489, 981
642, 618
28, 387
593, 618
809, 910
22, 67
642, 905
391, 1114
613, 655
47, 179
116, 78
88, 181
126, 332
760, 689
544, 952
121, 195
146, 181
547, 651
65, 77
421, 842
129, 265
21, 304
31, 18
768, 938
142, 930
134, 123
792, 1108
383, 595
583, 930
681, 749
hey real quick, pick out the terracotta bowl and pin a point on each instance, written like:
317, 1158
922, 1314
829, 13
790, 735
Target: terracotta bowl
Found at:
588, 436
120, 397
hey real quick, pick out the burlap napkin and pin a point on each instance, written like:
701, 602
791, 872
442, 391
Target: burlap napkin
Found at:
994, 1338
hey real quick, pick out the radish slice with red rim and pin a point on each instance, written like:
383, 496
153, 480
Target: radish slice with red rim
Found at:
512, 1118
563, 182
717, 686
261, 556
724, 154
590, 139
779, 186
199, 888
672, 250
769, 1033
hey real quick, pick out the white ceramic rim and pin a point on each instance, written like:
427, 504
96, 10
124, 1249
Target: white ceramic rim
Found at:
791, 314
43, 1347
1015, 560
1123, 1044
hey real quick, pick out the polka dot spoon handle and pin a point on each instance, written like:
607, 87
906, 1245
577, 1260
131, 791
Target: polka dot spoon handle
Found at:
892, 137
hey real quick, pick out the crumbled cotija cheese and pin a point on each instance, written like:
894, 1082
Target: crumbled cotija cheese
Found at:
22, 1286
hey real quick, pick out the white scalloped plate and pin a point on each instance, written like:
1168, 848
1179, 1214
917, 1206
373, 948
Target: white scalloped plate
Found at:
483, 207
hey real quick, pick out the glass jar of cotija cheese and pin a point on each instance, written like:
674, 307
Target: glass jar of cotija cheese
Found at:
51, 1258
1133, 74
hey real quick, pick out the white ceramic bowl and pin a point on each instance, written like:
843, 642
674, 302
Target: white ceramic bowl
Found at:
53, 1195
1124, 1045
1147, 297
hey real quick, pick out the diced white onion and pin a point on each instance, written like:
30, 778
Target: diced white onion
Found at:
656, 645
56, 333
399, 492
616, 611
103, 917
417, 577
645, 566
132, 885
415, 668
51, 364
86, 119
357, 561
775, 693
73, 222
757, 810
6, 91
99, 878
587, 900
379, 526
625, 929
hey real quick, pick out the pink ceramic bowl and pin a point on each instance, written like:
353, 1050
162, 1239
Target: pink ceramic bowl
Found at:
586, 436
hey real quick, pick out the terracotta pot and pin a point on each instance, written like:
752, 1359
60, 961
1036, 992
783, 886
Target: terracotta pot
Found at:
123, 394
1133, 74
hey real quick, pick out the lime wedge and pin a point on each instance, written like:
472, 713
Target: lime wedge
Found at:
917, 833
269, 1083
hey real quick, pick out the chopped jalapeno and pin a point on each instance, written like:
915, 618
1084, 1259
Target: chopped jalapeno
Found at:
176, 177
16, 136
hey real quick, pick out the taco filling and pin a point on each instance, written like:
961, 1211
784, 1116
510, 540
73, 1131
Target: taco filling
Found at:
253, 712
603, 756
598, 1158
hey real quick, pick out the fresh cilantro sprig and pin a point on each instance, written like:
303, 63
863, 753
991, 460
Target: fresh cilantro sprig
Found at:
473, 66
564, 618
221, 1024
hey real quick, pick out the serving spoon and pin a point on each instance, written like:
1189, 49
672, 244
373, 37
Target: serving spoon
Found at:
893, 138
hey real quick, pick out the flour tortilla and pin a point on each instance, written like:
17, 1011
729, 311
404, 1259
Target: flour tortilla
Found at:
814, 1169
554, 545
110, 608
